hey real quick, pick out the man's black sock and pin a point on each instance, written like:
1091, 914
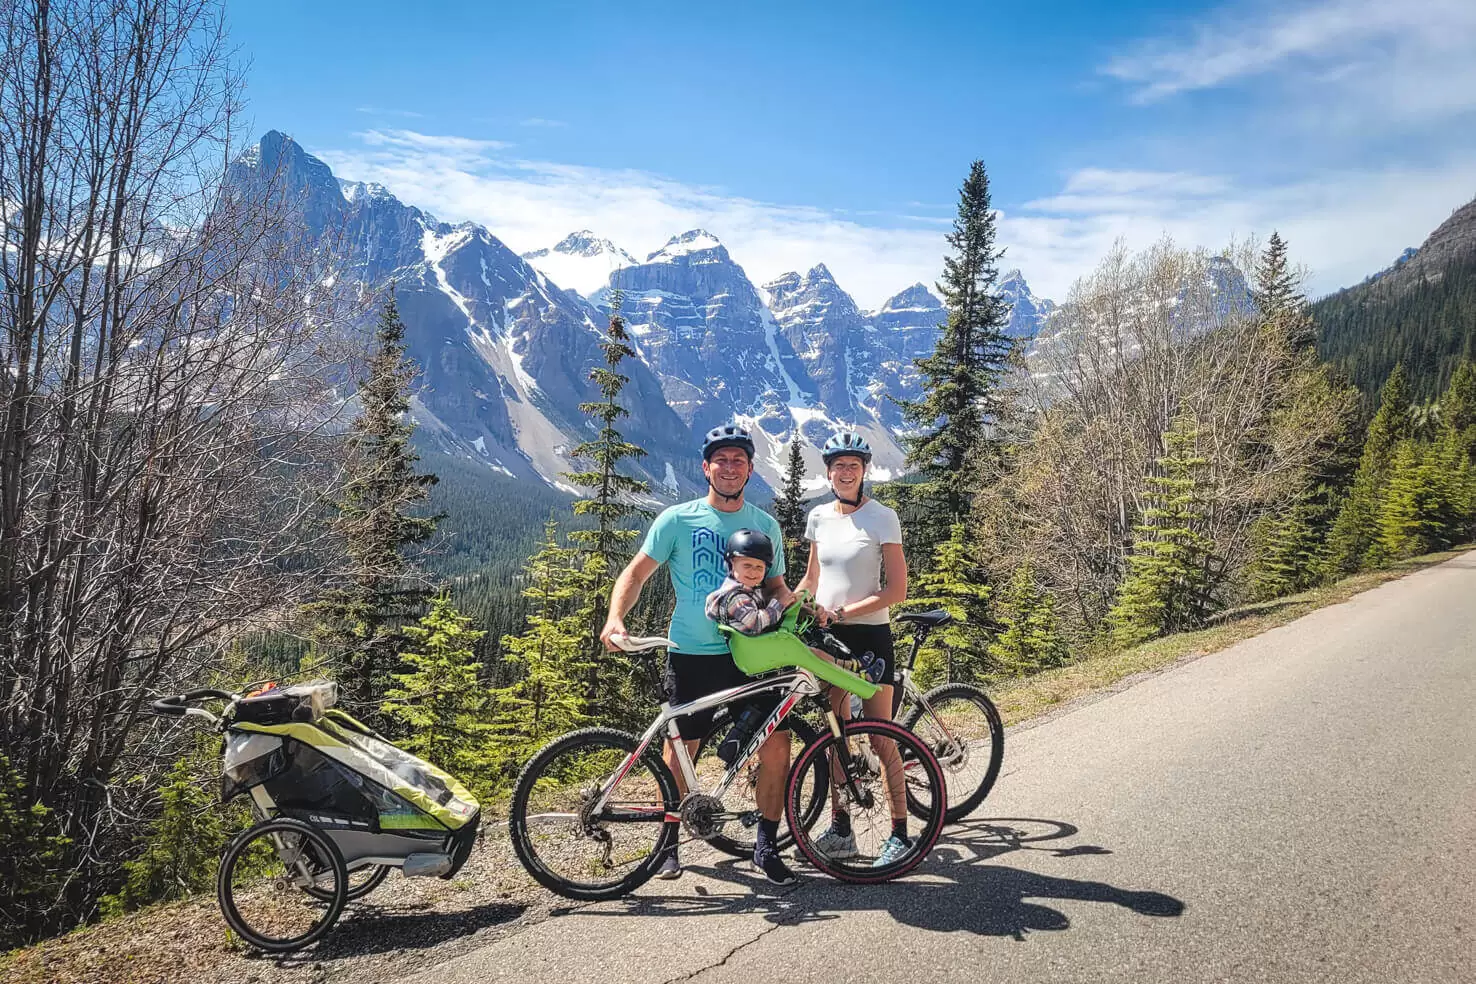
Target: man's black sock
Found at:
768, 835
841, 821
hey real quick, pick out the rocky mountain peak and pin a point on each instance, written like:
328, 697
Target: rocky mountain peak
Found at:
693, 241
915, 298
819, 273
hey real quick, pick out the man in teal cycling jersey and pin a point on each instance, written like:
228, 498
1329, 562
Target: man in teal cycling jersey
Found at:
689, 538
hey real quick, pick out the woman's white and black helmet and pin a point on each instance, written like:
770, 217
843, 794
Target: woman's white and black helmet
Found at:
727, 436
843, 443
749, 543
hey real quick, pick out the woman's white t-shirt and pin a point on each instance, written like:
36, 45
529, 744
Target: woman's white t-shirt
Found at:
850, 553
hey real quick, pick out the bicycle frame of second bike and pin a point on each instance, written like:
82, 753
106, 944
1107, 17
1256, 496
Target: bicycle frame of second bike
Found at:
796, 685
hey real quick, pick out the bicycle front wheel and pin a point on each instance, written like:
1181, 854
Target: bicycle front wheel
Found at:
588, 825
962, 727
866, 785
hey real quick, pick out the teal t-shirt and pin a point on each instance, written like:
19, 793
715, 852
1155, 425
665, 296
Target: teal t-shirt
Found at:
689, 539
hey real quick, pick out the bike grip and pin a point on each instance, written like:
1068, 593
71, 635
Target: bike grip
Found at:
169, 706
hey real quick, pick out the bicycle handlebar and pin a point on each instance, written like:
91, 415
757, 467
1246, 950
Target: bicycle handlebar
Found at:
176, 706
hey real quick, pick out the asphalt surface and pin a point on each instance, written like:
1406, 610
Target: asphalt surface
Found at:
1300, 807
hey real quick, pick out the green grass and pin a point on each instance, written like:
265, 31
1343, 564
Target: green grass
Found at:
1021, 700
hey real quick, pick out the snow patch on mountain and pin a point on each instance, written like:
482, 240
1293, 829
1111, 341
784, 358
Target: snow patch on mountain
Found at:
581, 261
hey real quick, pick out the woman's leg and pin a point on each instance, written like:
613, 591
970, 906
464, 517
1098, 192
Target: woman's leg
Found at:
880, 706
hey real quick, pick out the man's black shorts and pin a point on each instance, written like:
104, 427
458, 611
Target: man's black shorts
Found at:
690, 676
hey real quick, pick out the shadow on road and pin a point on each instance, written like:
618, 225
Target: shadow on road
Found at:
956, 889
368, 928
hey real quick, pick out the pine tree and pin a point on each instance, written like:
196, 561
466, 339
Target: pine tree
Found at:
612, 501
1287, 550
357, 625
1354, 542
1458, 405
1278, 296
182, 848
551, 656
1413, 512
1029, 638
1163, 589
789, 510
954, 582
951, 440
442, 708
33, 857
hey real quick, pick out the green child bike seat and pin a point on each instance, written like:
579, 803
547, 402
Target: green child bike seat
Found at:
782, 648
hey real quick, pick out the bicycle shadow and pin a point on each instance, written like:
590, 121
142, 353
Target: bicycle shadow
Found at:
370, 928
957, 889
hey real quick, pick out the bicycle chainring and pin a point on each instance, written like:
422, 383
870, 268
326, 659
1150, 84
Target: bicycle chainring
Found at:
702, 815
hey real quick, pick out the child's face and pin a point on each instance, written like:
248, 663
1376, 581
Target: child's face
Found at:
749, 572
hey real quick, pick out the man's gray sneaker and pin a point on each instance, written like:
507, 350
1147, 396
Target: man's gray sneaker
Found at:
670, 869
834, 844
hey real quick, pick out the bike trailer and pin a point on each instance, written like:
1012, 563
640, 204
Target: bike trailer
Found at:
298, 756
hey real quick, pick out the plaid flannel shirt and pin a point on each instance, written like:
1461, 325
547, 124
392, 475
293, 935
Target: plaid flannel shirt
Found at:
744, 609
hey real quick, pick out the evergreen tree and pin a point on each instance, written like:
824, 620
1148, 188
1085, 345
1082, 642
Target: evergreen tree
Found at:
551, 656
612, 502
789, 510
439, 702
182, 848
954, 582
358, 624
1278, 296
1163, 589
1029, 638
1458, 405
1354, 542
950, 441
32, 855
1287, 554
1413, 515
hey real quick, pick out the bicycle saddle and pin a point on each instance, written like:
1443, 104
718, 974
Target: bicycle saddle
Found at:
931, 619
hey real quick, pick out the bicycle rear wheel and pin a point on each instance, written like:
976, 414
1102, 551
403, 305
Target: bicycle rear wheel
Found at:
965, 733
863, 793
738, 836
571, 848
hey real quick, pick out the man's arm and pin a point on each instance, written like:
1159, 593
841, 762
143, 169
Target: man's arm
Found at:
778, 590
624, 595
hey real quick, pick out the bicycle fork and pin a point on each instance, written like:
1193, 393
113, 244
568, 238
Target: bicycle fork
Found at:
847, 762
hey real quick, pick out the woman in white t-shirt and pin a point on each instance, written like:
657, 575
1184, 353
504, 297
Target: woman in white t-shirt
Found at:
857, 571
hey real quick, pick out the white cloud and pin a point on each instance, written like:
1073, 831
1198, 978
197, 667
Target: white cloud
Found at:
1362, 60
540, 121
1343, 224
381, 111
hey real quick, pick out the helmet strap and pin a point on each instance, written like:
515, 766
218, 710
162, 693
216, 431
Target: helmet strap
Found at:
860, 494
725, 496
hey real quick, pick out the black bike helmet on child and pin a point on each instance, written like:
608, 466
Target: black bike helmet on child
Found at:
727, 436
749, 543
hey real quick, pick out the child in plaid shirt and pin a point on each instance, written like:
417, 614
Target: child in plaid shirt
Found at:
739, 601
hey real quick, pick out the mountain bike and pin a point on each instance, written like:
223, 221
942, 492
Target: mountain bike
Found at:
958, 722
595, 811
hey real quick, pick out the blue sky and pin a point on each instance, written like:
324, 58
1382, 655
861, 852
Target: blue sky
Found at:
838, 133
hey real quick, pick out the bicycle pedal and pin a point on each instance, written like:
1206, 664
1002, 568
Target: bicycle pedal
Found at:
750, 819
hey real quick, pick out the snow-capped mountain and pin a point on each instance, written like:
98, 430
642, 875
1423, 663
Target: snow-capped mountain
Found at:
506, 342
581, 261
1027, 312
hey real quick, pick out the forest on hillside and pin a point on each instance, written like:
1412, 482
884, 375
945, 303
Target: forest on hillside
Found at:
186, 502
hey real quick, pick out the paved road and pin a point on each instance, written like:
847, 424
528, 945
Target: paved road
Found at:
1301, 807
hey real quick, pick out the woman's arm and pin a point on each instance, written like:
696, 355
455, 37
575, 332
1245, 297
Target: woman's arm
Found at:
811, 580
894, 569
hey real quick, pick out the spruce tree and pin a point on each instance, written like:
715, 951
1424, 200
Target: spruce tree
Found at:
613, 501
439, 702
1458, 405
357, 624
1163, 589
1278, 296
1354, 542
789, 510
1029, 637
1413, 514
955, 582
551, 656
950, 441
